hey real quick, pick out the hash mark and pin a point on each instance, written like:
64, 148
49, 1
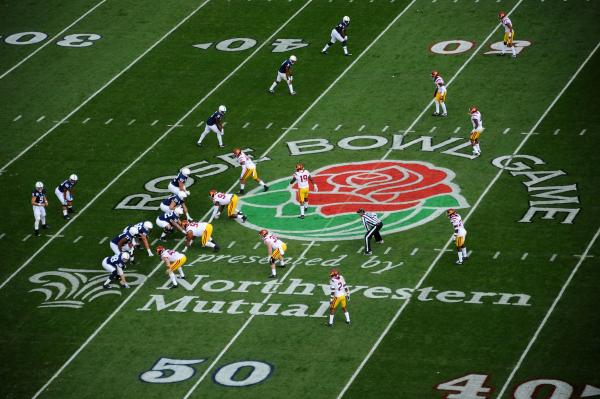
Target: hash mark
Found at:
529, 133
387, 250
334, 248
154, 241
86, 120
175, 125
360, 129
496, 255
154, 123
360, 250
41, 118
131, 122
108, 121
289, 128
2, 235
26, 237
432, 129
256, 245
386, 127
61, 122
17, 118
338, 127
200, 124
505, 131
231, 244
246, 125
582, 132
414, 252
269, 125
77, 239
102, 241
224, 123
552, 257
524, 256
456, 130
556, 132
315, 127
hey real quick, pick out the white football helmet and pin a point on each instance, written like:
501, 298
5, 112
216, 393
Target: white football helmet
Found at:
148, 225
125, 256
133, 231
73, 177
346, 19
186, 171
182, 195
179, 211
39, 184
222, 108
293, 58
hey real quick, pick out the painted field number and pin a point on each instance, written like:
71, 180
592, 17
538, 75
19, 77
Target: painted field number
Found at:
72, 40
459, 46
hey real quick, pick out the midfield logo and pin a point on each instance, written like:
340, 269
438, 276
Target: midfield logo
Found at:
405, 194
72, 288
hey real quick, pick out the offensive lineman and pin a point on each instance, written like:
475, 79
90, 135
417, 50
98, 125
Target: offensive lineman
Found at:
439, 95
248, 170
509, 34
170, 220
220, 200
275, 250
177, 184
477, 129
285, 73
39, 202
173, 261
302, 176
124, 242
176, 200
214, 123
459, 235
203, 231
338, 33
143, 232
64, 193
115, 265
340, 294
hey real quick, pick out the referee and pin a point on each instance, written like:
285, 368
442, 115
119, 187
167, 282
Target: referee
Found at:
373, 225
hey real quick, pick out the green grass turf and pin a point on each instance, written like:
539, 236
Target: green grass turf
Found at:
432, 341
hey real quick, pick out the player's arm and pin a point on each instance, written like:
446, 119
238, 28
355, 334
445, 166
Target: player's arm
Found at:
216, 212
269, 250
33, 201
293, 180
177, 225
310, 179
189, 236
122, 242
144, 238
288, 73
181, 185
219, 125
122, 280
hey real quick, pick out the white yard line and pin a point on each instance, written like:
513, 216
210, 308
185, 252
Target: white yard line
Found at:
548, 314
104, 86
47, 42
471, 211
155, 143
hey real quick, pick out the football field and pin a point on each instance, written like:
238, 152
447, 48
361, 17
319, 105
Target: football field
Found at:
118, 92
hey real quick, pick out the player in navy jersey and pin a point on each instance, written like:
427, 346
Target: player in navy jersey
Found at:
338, 34
124, 241
215, 123
115, 265
64, 193
170, 221
285, 73
174, 201
177, 184
39, 202
143, 229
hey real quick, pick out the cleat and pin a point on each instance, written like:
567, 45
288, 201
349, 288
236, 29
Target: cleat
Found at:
272, 276
324, 52
221, 145
369, 253
266, 188
244, 218
66, 217
444, 114
347, 322
301, 217
514, 56
282, 266
270, 91
216, 248
37, 233
348, 55
106, 286
241, 192
44, 226
436, 114
181, 277
379, 242
458, 262
71, 210
500, 55
199, 144
329, 324
172, 286
293, 93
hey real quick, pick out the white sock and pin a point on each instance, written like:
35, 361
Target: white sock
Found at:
202, 136
43, 221
273, 272
477, 149
242, 185
282, 262
460, 256
347, 314
220, 139
172, 277
345, 50
180, 270
437, 107
64, 212
262, 183
514, 51
107, 282
273, 86
464, 252
210, 244
444, 108
36, 225
301, 211
503, 48
291, 88
330, 319
326, 47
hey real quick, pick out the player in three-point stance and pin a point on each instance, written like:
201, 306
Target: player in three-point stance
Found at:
173, 201
459, 235
64, 193
439, 95
143, 231
214, 123
338, 34
220, 200
285, 73
39, 202
275, 250
248, 170
177, 184
372, 225
173, 261
124, 242
302, 176
509, 34
340, 295
200, 230
115, 265
169, 222
477, 129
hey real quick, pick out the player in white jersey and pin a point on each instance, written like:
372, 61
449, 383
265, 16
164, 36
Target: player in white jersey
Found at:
173, 261
302, 176
459, 235
509, 34
340, 294
220, 200
439, 95
477, 129
248, 170
203, 231
275, 249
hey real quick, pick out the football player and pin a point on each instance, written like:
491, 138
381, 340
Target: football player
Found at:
173, 261
203, 231
124, 242
285, 73
214, 123
275, 250
302, 176
509, 34
177, 184
143, 232
439, 95
170, 221
220, 200
477, 129
459, 235
64, 193
338, 34
176, 200
248, 170
115, 265
39, 202
340, 294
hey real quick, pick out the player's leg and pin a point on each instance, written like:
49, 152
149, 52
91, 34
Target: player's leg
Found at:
464, 248
459, 242
43, 217
278, 78
111, 270
62, 202
36, 217
203, 135
301, 194
437, 104
345, 309
443, 103
333, 304
511, 43
330, 43
243, 177
345, 47
255, 177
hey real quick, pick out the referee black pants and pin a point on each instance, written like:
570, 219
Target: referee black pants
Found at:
373, 232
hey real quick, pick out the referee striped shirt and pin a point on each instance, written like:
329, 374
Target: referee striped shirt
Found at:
370, 220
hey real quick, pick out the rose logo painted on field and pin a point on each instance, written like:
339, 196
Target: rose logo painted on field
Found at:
404, 194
